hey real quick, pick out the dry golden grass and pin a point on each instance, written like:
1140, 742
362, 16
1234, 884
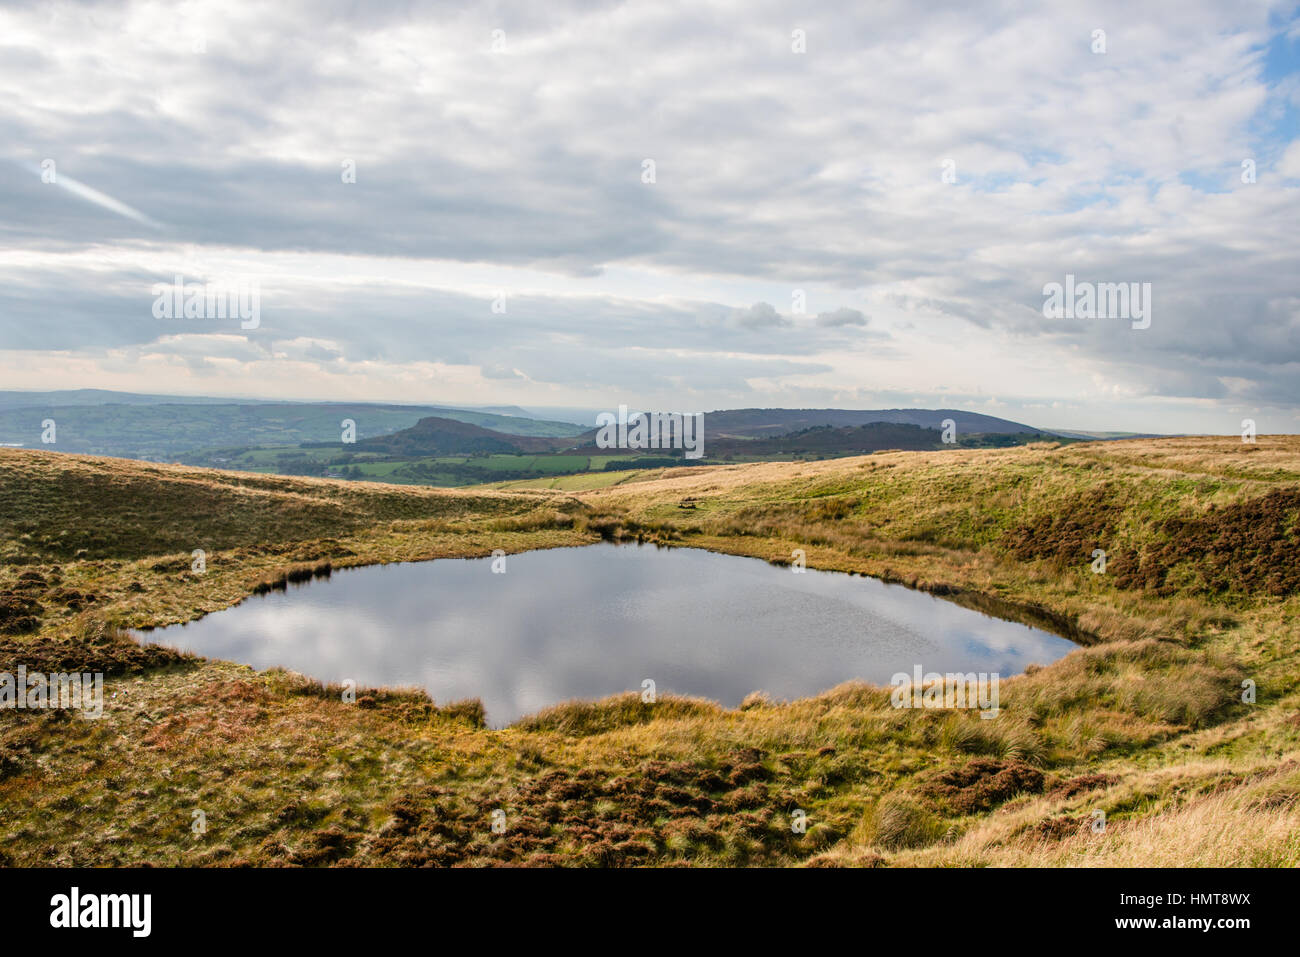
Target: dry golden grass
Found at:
1222, 816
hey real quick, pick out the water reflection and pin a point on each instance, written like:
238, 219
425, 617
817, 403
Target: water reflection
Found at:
588, 622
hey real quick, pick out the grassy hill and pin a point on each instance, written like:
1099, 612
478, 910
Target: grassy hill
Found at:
1145, 722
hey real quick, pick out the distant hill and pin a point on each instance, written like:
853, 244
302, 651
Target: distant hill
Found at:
433, 436
754, 423
507, 410
511, 423
826, 440
738, 430
1105, 436
205, 430
66, 397
141, 428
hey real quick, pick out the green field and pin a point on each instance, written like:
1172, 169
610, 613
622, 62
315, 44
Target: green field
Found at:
558, 471
572, 483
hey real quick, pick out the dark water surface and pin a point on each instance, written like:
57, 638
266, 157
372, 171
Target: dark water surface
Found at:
593, 621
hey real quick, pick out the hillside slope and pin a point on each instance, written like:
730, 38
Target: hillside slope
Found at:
1145, 722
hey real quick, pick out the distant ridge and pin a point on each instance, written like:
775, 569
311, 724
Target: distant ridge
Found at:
142, 428
510, 418
760, 423
1106, 436
12, 399
817, 440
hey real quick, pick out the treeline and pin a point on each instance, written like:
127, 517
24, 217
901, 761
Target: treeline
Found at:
664, 462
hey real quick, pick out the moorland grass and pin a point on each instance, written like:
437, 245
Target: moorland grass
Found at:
1145, 722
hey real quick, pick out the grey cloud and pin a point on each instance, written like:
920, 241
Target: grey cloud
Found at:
760, 315
841, 317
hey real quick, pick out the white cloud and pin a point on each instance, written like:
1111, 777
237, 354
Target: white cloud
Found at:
775, 171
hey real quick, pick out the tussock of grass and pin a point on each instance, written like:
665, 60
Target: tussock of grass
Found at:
583, 718
294, 575
95, 646
407, 703
898, 821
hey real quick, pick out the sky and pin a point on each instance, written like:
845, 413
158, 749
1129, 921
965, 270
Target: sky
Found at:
684, 206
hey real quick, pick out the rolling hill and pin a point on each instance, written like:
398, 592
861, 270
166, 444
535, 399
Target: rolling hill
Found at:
752, 423
434, 435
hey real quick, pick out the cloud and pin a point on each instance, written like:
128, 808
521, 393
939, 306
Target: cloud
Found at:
776, 171
1289, 164
841, 317
760, 315
501, 372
